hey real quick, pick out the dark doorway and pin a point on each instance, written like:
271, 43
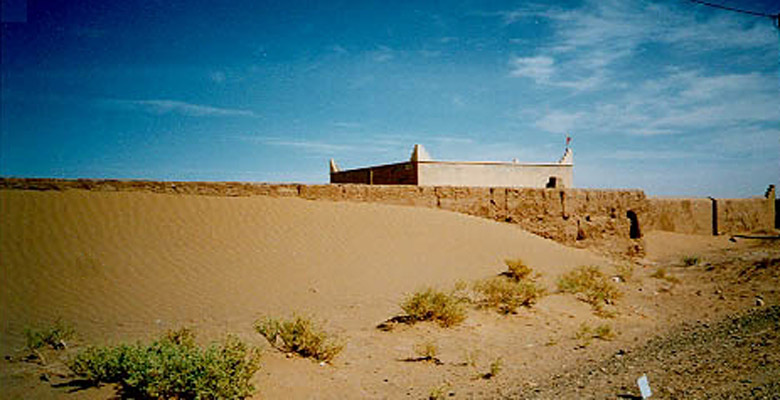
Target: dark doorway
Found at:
634, 232
552, 183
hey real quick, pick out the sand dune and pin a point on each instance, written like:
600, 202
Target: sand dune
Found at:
130, 264
126, 266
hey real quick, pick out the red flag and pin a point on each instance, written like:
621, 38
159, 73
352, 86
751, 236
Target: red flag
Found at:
568, 140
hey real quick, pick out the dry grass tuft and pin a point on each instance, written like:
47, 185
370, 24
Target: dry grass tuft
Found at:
518, 270
53, 336
426, 349
596, 289
439, 392
690, 260
301, 336
495, 369
506, 295
626, 272
601, 332
433, 305
661, 273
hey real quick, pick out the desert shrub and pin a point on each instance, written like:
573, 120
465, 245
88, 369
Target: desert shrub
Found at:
596, 289
660, 273
173, 367
506, 295
690, 261
432, 305
517, 270
54, 336
602, 332
461, 292
301, 336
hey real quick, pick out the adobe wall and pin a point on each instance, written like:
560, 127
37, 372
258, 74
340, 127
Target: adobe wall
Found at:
576, 217
695, 216
746, 215
392, 174
442, 173
691, 216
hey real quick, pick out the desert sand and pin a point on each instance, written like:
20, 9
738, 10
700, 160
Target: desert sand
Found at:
128, 266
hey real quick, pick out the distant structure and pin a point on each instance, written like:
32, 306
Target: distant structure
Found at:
422, 170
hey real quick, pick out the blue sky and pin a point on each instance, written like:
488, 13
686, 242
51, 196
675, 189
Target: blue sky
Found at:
667, 96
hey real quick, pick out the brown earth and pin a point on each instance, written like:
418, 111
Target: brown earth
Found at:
128, 265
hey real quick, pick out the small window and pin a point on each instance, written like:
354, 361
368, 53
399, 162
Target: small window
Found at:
552, 183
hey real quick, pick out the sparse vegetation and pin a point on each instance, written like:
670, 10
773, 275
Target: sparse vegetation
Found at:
506, 295
433, 305
54, 336
517, 270
461, 292
495, 369
625, 271
426, 349
690, 261
589, 282
661, 273
585, 334
439, 392
172, 367
301, 336
470, 358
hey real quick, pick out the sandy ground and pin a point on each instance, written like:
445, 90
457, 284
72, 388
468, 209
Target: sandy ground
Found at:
127, 266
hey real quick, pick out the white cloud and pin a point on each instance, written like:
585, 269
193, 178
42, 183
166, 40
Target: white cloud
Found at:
347, 124
217, 76
542, 70
338, 49
587, 42
382, 54
164, 106
305, 145
683, 101
539, 68
559, 122
634, 155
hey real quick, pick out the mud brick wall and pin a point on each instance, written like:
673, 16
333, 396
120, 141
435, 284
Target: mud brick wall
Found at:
401, 173
695, 216
691, 216
746, 215
576, 217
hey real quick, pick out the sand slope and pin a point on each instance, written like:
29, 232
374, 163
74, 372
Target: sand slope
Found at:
129, 265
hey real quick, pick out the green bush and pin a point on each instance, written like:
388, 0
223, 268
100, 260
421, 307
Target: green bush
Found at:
506, 295
433, 305
299, 335
54, 336
590, 282
173, 367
